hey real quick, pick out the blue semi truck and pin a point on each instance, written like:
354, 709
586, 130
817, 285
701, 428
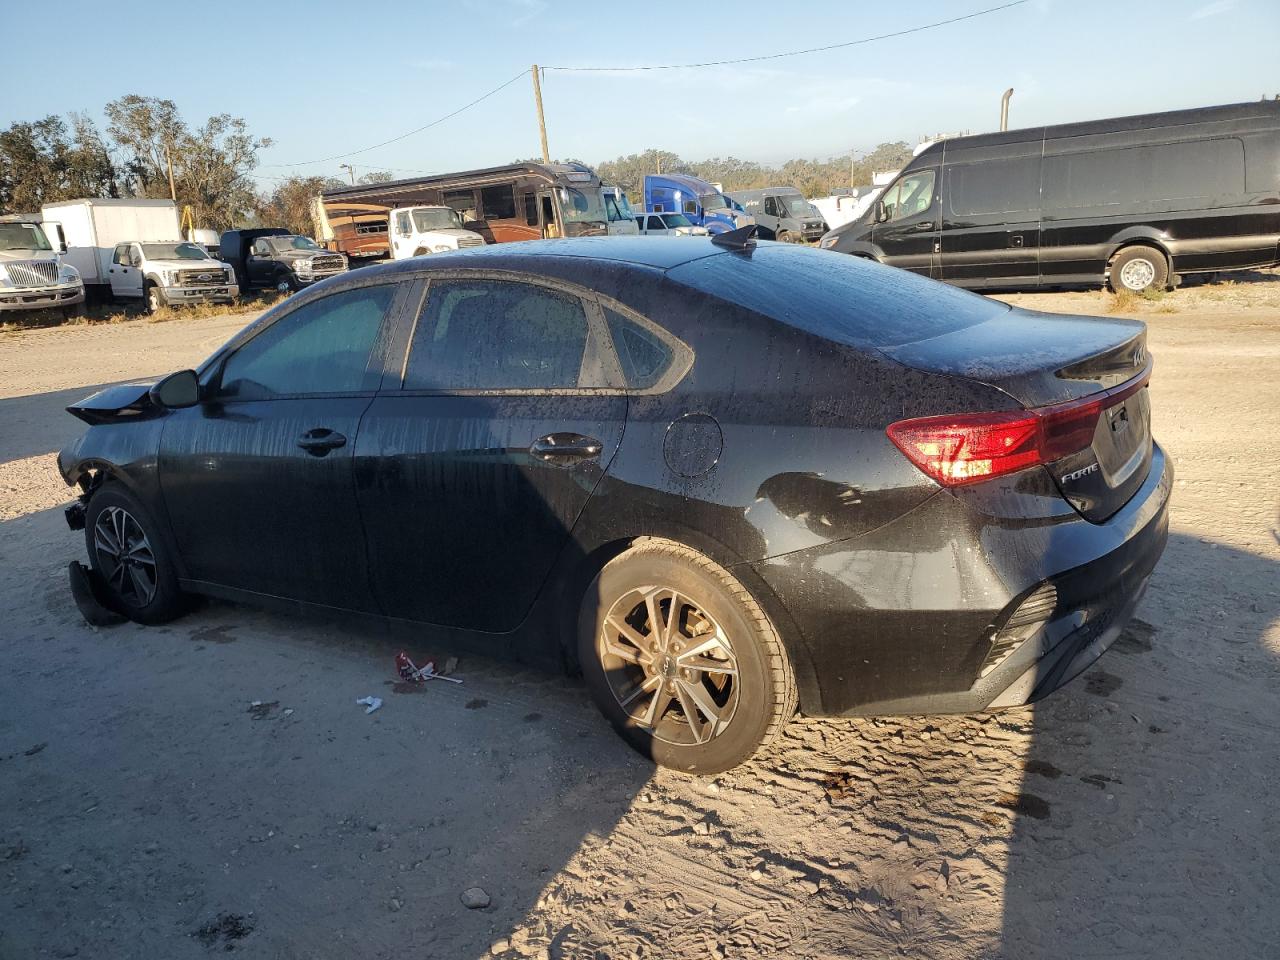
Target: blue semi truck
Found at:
700, 201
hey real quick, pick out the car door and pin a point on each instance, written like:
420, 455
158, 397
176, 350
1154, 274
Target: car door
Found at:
259, 264
257, 477
125, 272
472, 468
768, 219
991, 216
907, 231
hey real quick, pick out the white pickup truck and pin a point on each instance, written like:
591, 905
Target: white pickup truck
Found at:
169, 273
416, 231
31, 275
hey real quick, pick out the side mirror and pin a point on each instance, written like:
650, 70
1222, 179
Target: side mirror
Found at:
882, 214
177, 390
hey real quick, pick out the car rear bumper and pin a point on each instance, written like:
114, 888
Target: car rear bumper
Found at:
908, 619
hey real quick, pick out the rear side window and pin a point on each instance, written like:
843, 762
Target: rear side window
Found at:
994, 186
321, 347
1164, 171
497, 335
499, 203
644, 356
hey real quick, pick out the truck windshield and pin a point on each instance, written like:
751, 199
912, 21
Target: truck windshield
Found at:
173, 251
23, 236
618, 207
797, 206
579, 206
285, 244
436, 218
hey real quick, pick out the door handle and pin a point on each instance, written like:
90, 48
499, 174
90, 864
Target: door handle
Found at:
320, 441
926, 225
1015, 240
565, 446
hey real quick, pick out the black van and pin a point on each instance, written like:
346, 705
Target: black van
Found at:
1134, 202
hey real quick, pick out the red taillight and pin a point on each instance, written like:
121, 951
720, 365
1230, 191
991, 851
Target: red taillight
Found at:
967, 447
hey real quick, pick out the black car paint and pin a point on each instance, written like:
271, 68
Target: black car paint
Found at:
884, 588
1070, 246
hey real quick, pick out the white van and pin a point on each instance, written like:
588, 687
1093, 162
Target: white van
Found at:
416, 231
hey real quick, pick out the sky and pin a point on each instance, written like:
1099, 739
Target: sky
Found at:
325, 79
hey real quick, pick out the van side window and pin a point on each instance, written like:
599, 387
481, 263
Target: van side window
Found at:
994, 186
911, 195
1164, 171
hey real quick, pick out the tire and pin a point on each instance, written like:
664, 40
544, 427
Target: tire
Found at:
153, 298
786, 236
73, 312
645, 691
119, 512
285, 283
1137, 269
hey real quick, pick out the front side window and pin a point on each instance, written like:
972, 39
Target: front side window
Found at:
691, 208
402, 223
121, 257
910, 196
770, 207
497, 335
321, 347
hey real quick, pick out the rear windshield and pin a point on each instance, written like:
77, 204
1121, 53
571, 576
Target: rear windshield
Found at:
836, 296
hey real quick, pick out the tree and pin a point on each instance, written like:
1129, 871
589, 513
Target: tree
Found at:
289, 204
376, 176
43, 162
211, 164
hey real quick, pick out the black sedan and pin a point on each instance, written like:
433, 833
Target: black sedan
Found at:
726, 480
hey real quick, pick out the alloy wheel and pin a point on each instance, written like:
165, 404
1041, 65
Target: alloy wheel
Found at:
125, 557
670, 665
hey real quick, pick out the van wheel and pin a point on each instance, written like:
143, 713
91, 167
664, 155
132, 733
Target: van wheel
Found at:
1138, 269
153, 298
786, 236
681, 659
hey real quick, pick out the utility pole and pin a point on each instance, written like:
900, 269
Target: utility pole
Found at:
168, 156
350, 169
542, 123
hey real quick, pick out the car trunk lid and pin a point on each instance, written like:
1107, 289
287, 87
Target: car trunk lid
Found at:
1086, 376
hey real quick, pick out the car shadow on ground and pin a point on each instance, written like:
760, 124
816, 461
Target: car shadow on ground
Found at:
1145, 825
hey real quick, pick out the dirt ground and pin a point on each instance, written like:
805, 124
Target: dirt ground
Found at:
212, 784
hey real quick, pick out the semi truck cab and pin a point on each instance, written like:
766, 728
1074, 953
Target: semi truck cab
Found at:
32, 276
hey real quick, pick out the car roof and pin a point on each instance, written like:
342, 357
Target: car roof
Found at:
652, 252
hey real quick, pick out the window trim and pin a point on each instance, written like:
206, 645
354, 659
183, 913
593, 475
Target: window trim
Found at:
212, 385
599, 339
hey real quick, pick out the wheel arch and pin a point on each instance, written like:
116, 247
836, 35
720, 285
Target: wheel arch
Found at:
574, 577
1138, 237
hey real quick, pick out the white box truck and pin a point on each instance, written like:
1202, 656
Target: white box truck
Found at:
31, 275
133, 249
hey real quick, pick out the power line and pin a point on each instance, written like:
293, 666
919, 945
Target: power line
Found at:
792, 53
425, 126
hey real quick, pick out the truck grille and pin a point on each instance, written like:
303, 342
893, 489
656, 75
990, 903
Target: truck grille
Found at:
197, 278
470, 242
32, 273
326, 265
